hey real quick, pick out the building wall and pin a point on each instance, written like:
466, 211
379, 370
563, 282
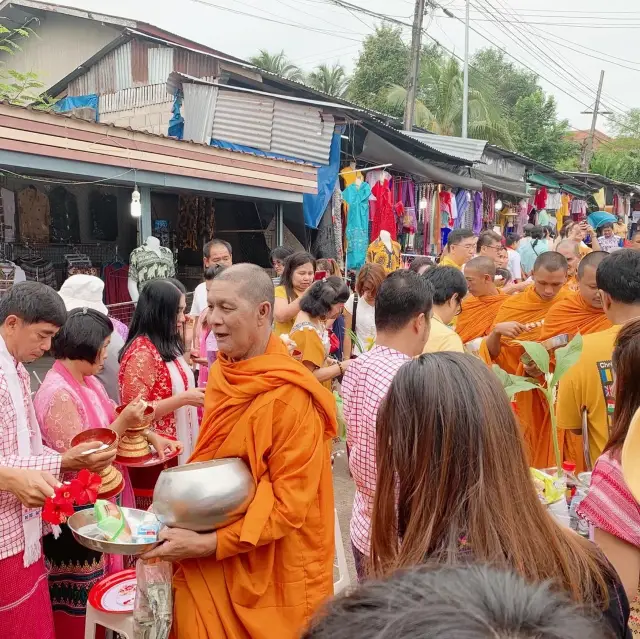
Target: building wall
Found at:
63, 44
153, 118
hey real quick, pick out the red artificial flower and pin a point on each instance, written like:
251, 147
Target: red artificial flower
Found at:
85, 487
57, 509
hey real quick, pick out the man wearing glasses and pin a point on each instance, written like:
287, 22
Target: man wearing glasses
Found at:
461, 247
449, 289
489, 245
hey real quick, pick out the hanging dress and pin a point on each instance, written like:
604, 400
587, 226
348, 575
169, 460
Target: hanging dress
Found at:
357, 228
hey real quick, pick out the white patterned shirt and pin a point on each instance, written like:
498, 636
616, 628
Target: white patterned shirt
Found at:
364, 386
11, 530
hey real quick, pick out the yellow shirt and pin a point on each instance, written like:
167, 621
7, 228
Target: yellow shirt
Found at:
588, 385
442, 338
447, 261
282, 327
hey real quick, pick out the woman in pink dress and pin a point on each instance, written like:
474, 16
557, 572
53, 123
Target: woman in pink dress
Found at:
69, 401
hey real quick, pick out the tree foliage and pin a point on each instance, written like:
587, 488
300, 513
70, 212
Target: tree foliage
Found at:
277, 63
331, 80
618, 160
627, 125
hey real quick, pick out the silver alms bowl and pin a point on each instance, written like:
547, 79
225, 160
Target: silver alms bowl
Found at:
203, 496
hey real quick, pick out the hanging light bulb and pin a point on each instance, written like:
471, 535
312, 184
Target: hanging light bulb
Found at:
136, 206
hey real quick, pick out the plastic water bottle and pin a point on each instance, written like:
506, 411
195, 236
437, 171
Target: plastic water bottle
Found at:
576, 523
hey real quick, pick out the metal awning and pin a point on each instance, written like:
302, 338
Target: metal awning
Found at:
378, 151
517, 188
543, 180
467, 149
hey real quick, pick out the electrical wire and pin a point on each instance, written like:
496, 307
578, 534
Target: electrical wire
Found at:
68, 183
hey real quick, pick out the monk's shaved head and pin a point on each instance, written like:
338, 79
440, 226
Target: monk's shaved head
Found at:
568, 247
482, 265
551, 261
253, 283
593, 260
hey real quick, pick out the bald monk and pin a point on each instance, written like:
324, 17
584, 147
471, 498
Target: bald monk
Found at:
479, 309
520, 318
571, 251
266, 574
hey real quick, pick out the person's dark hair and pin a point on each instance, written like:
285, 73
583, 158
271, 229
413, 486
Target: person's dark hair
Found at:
593, 259
82, 335
619, 276
206, 249
290, 265
626, 365
178, 284
419, 262
459, 235
211, 272
329, 265
33, 302
496, 508
552, 261
470, 602
606, 225
322, 295
446, 281
512, 239
566, 228
487, 238
371, 275
280, 253
528, 229
505, 274
155, 317
401, 298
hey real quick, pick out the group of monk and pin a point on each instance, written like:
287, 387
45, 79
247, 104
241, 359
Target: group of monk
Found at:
561, 298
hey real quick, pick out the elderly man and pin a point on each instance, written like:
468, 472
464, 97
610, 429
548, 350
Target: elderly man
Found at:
480, 308
461, 245
264, 575
30, 315
571, 252
214, 252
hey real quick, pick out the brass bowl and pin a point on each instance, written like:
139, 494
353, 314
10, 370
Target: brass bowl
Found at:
133, 444
111, 477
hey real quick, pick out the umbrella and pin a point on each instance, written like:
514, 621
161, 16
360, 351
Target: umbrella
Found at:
597, 219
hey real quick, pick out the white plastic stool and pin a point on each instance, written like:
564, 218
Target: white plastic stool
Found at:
344, 581
116, 621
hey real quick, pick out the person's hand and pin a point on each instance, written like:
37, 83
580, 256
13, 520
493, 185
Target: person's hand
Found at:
193, 397
177, 544
31, 487
163, 444
76, 458
346, 363
531, 369
133, 413
510, 329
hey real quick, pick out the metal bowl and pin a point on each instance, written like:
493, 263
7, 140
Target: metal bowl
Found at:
85, 531
556, 342
203, 496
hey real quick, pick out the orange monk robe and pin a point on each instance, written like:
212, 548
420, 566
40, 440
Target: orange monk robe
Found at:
572, 284
533, 412
274, 566
570, 316
478, 313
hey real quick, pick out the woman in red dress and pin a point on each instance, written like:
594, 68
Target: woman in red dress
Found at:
152, 366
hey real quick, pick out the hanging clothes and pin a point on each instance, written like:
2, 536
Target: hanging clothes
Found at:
146, 265
357, 228
384, 219
446, 209
116, 290
34, 215
478, 206
540, 200
463, 220
65, 226
37, 269
377, 253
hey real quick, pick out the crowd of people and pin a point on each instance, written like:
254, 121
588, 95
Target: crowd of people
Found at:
446, 518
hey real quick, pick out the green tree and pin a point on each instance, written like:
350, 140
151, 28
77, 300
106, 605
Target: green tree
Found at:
439, 103
331, 80
277, 63
627, 125
618, 160
538, 133
382, 63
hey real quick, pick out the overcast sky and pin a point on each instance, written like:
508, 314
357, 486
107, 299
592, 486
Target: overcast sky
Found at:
326, 33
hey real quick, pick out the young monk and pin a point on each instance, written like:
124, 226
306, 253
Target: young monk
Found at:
571, 251
479, 309
266, 574
521, 318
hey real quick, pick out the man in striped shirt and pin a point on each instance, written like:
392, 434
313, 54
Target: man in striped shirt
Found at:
402, 316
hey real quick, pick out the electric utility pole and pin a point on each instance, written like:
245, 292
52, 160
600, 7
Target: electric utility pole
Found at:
465, 88
414, 65
587, 151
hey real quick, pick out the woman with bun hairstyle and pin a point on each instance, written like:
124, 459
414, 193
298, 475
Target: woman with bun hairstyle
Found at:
323, 302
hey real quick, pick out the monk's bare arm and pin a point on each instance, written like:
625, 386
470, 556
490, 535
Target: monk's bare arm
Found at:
297, 462
494, 344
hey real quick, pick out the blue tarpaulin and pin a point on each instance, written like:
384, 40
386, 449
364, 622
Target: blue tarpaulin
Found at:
230, 146
176, 124
77, 102
314, 206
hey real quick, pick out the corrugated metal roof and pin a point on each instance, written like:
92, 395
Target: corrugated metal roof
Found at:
160, 60
302, 132
122, 61
132, 98
198, 109
243, 119
462, 148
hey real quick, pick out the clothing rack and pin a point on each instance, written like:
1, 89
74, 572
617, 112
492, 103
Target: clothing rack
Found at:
369, 168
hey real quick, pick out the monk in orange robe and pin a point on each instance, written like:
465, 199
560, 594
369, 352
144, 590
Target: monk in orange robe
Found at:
579, 312
480, 307
521, 318
571, 251
266, 574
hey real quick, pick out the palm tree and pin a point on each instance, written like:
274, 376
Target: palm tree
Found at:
330, 80
277, 63
439, 103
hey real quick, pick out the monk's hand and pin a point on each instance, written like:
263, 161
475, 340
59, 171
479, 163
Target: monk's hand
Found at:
510, 329
162, 444
177, 544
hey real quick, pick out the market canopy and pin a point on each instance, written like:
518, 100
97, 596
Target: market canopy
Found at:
517, 188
